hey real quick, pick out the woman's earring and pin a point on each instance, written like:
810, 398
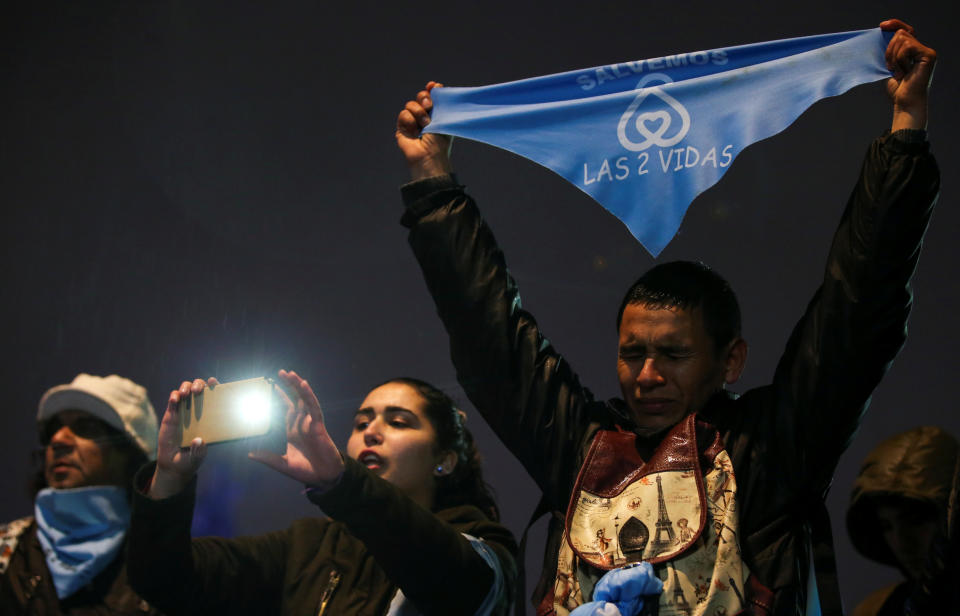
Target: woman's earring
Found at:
439, 470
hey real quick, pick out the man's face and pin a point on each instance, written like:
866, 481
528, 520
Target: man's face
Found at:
668, 365
79, 451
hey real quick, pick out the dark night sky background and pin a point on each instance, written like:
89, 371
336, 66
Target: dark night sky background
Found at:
207, 188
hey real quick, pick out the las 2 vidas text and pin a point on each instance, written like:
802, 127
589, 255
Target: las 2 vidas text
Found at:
672, 160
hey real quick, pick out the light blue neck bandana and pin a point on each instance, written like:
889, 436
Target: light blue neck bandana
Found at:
81, 531
644, 138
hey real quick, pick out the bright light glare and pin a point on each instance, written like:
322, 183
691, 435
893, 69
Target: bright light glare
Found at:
255, 410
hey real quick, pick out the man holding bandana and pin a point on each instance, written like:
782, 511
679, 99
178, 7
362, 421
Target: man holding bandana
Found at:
747, 474
68, 558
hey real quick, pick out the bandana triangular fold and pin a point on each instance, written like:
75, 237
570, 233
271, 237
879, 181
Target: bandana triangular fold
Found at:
644, 138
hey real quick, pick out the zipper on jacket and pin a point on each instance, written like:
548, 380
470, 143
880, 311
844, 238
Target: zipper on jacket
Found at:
332, 583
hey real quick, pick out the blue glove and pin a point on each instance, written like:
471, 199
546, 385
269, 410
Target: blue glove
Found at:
596, 608
626, 587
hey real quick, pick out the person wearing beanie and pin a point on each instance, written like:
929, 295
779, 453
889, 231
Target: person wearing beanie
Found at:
902, 513
67, 558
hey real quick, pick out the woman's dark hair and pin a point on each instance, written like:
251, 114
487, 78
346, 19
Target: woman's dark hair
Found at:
465, 485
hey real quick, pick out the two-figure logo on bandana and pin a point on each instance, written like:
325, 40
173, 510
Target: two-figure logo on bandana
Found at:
653, 125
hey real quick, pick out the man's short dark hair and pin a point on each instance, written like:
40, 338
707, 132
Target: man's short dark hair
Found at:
688, 285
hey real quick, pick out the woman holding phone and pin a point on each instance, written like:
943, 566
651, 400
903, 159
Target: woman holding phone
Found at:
413, 531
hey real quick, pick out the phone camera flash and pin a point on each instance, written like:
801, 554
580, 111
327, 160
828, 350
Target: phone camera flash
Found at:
255, 410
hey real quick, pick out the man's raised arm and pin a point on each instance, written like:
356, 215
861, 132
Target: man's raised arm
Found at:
856, 323
514, 377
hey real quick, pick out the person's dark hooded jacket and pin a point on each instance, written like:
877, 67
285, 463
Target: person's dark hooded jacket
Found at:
921, 466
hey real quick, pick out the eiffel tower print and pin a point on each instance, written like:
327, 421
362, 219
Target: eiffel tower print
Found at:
664, 525
679, 600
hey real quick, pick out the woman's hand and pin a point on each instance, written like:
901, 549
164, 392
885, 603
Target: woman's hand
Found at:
311, 457
176, 466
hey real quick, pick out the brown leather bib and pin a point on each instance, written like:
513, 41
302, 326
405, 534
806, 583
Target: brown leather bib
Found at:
676, 510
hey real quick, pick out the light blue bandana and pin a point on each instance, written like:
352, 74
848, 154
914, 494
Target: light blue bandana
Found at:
81, 531
644, 138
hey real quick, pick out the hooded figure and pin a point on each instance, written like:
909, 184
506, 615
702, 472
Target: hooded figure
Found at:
903, 511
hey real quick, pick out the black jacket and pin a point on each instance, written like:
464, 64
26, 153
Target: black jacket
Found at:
784, 439
382, 541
